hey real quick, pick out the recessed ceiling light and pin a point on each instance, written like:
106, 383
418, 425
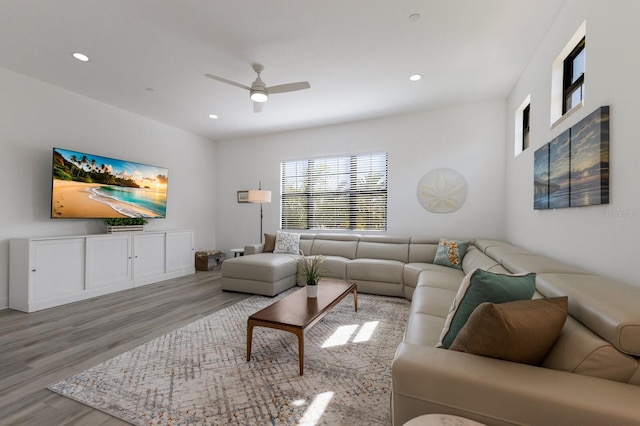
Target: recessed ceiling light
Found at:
415, 77
80, 56
215, 117
414, 17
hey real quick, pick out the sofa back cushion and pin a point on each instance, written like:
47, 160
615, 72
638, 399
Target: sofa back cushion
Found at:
476, 259
579, 350
607, 307
422, 250
306, 240
383, 247
335, 245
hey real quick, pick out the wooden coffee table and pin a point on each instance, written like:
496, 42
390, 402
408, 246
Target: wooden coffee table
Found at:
296, 313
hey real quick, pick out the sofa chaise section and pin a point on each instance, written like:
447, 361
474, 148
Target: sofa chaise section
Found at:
267, 274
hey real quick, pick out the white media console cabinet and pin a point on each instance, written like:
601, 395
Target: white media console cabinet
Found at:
52, 271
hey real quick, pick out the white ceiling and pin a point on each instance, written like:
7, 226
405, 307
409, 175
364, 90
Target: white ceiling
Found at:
356, 54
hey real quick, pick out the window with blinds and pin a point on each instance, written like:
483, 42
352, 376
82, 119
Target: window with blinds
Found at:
348, 192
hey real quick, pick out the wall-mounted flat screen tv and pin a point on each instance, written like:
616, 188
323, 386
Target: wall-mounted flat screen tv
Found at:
90, 186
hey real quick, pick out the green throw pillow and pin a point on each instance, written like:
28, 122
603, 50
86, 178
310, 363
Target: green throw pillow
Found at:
450, 253
480, 286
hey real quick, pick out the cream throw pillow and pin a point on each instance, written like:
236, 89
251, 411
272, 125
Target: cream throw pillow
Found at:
287, 242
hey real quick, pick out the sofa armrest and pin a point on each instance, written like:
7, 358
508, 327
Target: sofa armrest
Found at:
253, 249
426, 380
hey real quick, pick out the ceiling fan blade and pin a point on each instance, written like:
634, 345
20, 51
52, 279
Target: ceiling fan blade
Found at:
290, 87
257, 106
224, 80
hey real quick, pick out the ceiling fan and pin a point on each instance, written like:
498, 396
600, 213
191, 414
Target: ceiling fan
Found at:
259, 91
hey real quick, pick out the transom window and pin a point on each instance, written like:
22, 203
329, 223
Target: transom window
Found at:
525, 127
573, 77
348, 192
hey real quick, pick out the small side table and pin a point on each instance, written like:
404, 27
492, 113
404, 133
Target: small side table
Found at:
237, 252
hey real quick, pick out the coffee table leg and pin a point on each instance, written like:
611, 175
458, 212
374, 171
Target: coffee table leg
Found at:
249, 337
300, 335
355, 299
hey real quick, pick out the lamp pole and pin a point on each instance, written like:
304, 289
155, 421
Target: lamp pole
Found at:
261, 215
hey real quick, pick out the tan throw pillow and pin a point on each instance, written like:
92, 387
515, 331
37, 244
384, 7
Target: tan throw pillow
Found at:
522, 331
269, 243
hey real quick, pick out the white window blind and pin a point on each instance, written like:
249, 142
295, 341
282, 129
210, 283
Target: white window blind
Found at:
348, 192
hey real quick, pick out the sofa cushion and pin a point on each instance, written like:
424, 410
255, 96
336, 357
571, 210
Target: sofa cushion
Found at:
269, 243
383, 247
375, 270
481, 286
422, 250
521, 331
439, 276
579, 350
432, 301
450, 253
474, 258
332, 267
520, 263
306, 241
335, 245
261, 267
591, 301
287, 242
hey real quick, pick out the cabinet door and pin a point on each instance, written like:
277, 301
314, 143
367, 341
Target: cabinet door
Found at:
180, 252
108, 260
57, 268
149, 257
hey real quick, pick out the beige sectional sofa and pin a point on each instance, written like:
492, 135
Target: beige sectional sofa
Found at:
591, 376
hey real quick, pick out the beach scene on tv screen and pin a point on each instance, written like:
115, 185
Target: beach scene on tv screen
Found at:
90, 186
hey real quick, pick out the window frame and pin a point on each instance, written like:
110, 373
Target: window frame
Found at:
569, 87
526, 126
557, 115
312, 179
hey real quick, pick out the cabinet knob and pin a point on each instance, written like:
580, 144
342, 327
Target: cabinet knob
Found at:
33, 270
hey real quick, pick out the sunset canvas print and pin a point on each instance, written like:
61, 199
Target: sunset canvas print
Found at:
91, 186
590, 159
573, 169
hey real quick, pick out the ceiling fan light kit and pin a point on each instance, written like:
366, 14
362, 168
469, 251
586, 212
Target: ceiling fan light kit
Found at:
259, 96
259, 92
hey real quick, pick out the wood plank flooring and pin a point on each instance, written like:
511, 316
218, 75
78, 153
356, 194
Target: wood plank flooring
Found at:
41, 348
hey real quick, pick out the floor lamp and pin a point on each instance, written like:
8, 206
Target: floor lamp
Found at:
262, 197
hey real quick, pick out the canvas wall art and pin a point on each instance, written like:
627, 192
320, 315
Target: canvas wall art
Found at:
541, 178
573, 169
559, 168
590, 160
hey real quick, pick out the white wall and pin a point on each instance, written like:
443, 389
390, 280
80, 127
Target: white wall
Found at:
602, 239
35, 117
469, 139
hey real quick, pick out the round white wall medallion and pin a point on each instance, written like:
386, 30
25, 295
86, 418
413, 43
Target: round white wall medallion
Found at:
442, 191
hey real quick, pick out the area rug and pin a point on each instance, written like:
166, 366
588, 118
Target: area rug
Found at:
199, 374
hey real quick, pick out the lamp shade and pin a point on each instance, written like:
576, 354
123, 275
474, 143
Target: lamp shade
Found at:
259, 196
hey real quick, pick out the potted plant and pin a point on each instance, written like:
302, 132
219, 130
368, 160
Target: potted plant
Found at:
311, 273
119, 224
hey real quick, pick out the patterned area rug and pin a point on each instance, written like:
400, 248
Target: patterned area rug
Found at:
199, 375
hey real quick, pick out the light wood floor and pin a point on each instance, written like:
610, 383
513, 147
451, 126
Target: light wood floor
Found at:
44, 347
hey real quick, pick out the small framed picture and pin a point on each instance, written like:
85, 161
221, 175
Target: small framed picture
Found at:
243, 196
